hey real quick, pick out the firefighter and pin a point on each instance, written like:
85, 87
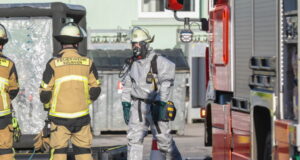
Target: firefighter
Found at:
9, 89
70, 83
145, 93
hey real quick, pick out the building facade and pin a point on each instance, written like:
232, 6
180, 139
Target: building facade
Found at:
151, 14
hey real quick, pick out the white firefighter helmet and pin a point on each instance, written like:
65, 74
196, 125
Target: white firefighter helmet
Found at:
70, 33
3, 35
139, 34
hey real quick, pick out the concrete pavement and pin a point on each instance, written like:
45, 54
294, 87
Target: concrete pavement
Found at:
191, 145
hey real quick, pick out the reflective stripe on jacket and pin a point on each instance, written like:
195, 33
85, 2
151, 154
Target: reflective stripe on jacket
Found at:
9, 86
69, 79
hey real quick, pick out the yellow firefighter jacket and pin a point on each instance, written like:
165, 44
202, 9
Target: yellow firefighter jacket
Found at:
67, 83
9, 86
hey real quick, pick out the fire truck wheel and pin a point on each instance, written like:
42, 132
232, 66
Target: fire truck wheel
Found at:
208, 133
268, 147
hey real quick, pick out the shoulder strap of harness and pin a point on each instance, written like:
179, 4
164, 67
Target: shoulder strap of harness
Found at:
154, 70
154, 64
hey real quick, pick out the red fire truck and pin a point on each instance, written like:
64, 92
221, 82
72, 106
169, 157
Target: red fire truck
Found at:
252, 98
252, 109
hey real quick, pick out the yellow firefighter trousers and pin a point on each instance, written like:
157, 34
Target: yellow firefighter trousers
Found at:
60, 136
6, 142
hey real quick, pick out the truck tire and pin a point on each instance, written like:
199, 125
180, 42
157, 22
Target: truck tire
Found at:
207, 133
268, 147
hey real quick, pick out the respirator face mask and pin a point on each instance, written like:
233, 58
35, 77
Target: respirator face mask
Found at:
140, 51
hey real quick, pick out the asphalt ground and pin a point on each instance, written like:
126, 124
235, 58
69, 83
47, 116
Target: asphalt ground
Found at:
190, 145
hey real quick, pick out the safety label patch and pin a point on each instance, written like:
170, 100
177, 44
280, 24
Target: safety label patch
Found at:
4, 62
72, 61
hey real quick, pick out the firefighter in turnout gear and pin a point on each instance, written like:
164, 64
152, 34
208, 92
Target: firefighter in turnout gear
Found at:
9, 89
145, 96
70, 83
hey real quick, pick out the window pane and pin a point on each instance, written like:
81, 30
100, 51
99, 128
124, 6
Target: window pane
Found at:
153, 5
218, 41
189, 5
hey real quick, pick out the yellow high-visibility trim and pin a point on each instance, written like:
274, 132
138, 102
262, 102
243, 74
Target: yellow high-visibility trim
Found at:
4, 62
47, 105
4, 81
86, 92
89, 101
86, 62
170, 103
52, 154
14, 153
113, 148
4, 99
5, 112
44, 85
71, 77
2, 86
98, 82
57, 85
72, 61
69, 115
55, 94
64, 79
170, 109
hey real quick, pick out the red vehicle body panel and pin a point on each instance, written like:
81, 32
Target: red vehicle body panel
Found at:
221, 132
231, 129
282, 139
241, 135
219, 25
221, 74
237, 156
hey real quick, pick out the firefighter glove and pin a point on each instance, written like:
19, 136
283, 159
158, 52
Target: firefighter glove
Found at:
16, 130
47, 107
126, 111
163, 111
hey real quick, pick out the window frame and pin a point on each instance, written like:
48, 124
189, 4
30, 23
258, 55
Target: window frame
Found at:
168, 13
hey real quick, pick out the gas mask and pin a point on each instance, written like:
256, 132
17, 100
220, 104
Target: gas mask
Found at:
141, 51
